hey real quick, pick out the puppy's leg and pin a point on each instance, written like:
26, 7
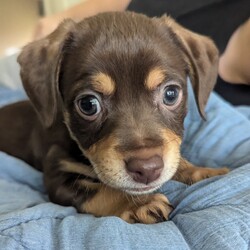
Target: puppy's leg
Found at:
147, 209
72, 183
189, 174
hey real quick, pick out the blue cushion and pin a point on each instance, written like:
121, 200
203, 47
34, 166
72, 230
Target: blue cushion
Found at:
211, 214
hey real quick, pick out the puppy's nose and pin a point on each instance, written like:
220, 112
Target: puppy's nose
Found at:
145, 170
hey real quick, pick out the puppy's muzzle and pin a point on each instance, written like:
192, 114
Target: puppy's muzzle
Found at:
145, 170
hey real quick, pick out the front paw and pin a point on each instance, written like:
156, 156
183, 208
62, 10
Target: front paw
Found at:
152, 209
189, 174
204, 173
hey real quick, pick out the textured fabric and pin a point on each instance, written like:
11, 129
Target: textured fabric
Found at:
212, 214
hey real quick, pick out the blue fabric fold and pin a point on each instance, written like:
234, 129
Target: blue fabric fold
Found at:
211, 214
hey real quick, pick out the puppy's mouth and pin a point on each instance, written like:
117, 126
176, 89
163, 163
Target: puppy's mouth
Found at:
142, 190
134, 183
137, 171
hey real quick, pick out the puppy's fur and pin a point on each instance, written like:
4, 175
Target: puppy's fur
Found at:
110, 162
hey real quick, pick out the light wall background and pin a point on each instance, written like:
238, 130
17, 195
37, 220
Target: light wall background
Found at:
18, 19
53, 6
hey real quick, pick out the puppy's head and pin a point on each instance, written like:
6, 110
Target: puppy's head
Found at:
119, 81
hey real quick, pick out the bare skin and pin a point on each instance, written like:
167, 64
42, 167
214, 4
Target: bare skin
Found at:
234, 65
82, 10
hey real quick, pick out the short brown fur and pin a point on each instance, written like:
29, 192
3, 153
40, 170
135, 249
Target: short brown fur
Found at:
110, 164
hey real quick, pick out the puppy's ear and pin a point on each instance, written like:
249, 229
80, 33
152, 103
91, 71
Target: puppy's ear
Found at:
201, 56
40, 67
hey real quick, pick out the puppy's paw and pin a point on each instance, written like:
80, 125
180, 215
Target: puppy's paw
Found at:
204, 173
156, 208
189, 173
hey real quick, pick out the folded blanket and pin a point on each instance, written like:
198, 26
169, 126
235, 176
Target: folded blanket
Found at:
211, 214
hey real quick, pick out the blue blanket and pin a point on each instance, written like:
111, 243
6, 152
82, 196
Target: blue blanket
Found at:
212, 214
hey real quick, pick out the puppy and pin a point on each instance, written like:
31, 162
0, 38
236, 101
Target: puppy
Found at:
108, 97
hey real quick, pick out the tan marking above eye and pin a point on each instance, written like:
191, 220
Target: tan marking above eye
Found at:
103, 83
155, 77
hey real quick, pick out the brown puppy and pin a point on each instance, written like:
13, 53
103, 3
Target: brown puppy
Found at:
105, 116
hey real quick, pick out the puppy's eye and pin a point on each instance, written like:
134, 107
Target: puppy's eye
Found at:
89, 106
171, 94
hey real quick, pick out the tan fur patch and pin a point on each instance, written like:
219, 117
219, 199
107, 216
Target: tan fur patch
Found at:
107, 201
103, 83
81, 169
189, 174
76, 167
155, 78
171, 152
170, 136
104, 151
88, 185
107, 161
146, 209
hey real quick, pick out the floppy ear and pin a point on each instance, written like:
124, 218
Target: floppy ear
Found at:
40, 67
201, 56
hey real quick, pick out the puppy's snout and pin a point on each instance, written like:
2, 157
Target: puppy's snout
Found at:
145, 170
